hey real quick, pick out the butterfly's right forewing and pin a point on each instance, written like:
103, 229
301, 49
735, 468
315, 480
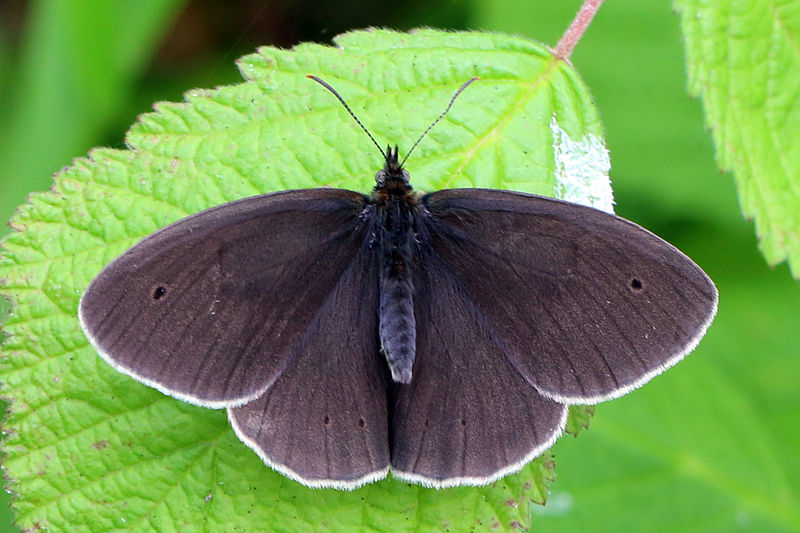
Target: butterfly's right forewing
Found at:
587, 305
210, 308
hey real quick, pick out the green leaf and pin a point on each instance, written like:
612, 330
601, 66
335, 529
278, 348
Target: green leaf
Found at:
579, 418
744, 60
92, 450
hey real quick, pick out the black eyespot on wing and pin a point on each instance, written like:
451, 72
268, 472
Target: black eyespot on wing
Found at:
159, 292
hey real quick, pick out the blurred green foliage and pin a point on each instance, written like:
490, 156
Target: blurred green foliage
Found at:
709, 446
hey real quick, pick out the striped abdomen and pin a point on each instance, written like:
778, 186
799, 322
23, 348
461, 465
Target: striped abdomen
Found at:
396, 314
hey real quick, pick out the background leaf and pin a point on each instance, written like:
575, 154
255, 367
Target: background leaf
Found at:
75, 70
744, 60
92, 450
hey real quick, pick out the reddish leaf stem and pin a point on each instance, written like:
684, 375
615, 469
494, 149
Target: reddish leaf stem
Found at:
579, 24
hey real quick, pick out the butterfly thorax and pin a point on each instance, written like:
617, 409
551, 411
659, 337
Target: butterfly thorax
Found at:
395, 206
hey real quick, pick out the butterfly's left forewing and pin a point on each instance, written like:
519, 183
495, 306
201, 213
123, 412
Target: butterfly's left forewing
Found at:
210, 309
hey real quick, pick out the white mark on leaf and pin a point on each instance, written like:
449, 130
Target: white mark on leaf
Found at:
582, 169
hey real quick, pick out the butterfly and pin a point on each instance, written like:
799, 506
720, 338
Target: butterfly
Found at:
442, 335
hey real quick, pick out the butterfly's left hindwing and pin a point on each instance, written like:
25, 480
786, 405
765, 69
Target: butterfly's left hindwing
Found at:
324, 422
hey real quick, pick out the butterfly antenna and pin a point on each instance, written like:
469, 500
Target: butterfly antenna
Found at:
331, 89
440, 117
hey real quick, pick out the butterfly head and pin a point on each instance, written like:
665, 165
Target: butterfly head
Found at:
392, 175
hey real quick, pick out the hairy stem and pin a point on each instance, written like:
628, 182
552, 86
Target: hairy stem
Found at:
579, 24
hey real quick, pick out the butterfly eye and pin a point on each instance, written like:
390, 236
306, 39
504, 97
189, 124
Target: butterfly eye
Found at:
159, 292
636, 285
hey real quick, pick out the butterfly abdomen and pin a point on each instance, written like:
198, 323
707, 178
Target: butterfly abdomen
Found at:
397, 327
